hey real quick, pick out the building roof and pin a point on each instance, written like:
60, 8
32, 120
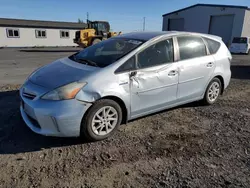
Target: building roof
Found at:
207, 5
7, 22
145, 35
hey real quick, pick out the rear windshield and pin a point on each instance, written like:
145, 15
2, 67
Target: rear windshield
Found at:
106, 52
240, 40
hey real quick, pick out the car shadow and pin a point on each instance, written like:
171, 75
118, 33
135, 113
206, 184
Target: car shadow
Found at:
239, 53
188, 105
240, 72
16, 137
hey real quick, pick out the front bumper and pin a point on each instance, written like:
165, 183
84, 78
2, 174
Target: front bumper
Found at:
53, 118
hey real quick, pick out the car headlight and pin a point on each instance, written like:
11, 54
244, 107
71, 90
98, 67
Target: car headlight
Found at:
65, 92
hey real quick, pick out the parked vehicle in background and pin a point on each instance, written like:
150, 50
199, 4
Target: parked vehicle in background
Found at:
92, 92
240, 45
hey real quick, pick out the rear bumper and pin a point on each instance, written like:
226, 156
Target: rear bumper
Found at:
238, 51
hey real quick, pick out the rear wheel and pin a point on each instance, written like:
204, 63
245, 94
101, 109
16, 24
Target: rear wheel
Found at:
213, 92
95, 41
101, 120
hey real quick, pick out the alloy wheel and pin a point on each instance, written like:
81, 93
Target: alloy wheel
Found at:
104, 120
213, 91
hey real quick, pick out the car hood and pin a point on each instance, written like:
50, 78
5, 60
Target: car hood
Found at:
61, 72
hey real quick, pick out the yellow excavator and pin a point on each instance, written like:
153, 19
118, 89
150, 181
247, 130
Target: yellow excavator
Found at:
95, 32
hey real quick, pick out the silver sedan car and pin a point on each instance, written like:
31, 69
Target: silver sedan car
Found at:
92, 92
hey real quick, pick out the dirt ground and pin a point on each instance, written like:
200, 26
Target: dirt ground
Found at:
189, 146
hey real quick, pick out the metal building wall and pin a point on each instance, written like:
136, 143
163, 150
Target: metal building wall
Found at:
246, 26
197, 19
222, 26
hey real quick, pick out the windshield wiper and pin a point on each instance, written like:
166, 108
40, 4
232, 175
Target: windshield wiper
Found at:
87, 62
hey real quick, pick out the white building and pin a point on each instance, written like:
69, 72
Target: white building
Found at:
30, 33
222, 20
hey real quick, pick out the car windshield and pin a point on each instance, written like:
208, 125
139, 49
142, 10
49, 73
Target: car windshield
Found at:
106, 52
240, 40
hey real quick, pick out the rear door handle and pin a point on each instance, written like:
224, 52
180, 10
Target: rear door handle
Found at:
210, 64
173, 73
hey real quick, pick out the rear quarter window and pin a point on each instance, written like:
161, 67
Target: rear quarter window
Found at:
213, 46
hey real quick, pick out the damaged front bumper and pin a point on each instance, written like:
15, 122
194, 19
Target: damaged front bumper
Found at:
53, 118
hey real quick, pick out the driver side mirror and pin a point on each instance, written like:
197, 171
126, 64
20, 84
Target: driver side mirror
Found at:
133, 74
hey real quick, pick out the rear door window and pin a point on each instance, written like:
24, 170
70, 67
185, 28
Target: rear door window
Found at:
191, 47
213, 46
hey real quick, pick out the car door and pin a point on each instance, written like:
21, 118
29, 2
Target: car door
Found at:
154, 83
195, 67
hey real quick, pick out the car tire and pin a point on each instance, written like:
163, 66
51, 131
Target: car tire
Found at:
95, 41
213, 92
89, 129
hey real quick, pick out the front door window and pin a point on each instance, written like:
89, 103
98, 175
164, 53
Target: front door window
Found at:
157, 54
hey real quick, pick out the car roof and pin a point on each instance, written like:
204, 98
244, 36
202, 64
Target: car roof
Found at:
145, 35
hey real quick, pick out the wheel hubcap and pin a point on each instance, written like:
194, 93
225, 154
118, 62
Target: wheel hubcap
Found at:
104, 120
214, 92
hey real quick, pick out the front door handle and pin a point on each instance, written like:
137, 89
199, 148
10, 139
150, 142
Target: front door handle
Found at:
210, 64
173, 73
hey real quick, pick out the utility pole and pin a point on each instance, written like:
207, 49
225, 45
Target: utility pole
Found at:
144, 23
87, 16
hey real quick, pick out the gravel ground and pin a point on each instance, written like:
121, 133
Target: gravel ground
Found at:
188, 146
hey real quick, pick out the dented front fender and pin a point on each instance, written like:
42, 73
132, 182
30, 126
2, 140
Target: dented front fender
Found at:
88, 96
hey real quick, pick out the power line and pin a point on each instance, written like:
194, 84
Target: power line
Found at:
144, 23
87, 16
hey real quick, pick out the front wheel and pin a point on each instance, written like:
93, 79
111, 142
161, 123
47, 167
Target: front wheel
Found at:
213, 92
101, 120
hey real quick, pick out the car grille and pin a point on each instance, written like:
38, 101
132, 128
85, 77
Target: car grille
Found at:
28, 94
